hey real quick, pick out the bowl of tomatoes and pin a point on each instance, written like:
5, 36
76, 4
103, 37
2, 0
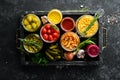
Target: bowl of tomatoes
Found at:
49, 33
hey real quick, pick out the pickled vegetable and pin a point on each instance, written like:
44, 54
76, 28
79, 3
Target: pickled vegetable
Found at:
31, 22
32, 43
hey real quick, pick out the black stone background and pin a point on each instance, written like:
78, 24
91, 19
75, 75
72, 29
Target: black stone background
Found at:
10, 67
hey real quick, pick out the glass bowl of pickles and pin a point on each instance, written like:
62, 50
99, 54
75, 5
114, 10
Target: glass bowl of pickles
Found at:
32, 43
31, 22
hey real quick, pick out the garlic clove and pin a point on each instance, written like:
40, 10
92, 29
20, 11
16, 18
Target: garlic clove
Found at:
81, 54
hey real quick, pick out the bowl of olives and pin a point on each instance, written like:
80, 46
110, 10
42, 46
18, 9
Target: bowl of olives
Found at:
31, 22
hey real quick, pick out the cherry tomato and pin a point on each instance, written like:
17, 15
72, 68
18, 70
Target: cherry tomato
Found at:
57, 31
44, 30
45, 36
47, 26
54, 38
50, 37
55, 34
49, 31
52, 30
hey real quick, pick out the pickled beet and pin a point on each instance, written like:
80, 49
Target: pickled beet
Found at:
92, 50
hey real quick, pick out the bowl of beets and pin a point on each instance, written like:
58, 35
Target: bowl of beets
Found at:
49, 33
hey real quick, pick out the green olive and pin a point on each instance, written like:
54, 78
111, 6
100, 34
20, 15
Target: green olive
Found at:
34, 26
29, 27
29, 18
35, 19
31, 22
38, 24
25, 22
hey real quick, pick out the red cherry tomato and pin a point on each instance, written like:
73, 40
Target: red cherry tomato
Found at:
57, 31
50, 37
45, 36
55, 34
49, 31
44, 30
47, 26
54, 38
52, 30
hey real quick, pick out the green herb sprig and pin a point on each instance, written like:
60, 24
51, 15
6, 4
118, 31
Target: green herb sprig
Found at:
38, 58
30, 42
84, 43
98, 14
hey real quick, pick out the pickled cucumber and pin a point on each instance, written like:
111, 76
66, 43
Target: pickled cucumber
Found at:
53, 52
32, 43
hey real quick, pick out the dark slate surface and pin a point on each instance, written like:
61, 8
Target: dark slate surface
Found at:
10, 67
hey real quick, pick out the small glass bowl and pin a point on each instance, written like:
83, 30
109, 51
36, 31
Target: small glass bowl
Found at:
81, 25
32, 48
31, 22
67, 24
69, 41
94, 48
55, 16
48, 41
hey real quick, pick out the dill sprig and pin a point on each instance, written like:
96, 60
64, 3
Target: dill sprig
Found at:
30, 42
98, 14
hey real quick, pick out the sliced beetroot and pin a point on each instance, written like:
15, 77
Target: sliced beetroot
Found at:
92, 50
